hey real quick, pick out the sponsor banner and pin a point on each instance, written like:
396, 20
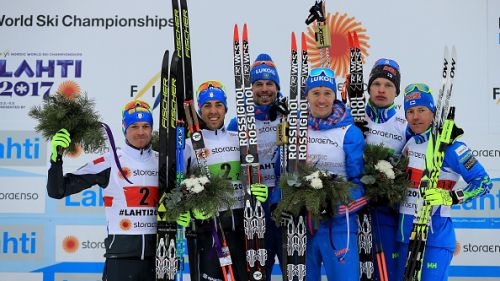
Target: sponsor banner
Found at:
23, 195
87, 202
21, 242
477, 247
477, 212
80, 243
22, 148
77, 277
18, 276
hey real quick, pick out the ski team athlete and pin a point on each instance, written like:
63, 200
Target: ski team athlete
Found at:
458, 162
130, 208
265, 88
388, 127
331, 128
223, 159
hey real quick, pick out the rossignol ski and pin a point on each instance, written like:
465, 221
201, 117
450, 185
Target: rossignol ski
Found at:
254, 221
294, 144
443, 132
357, 103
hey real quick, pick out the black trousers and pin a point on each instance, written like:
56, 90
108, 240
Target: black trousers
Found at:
129, 269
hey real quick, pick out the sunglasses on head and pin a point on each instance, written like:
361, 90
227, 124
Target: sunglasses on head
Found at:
387, 62
210, 84
136, 104
419, 86
322, 71
260, 62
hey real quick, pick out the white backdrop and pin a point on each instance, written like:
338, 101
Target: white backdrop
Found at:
44, 43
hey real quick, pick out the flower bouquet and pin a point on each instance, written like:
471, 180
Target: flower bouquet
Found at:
384, 176
198, 191
313, 190
76, 114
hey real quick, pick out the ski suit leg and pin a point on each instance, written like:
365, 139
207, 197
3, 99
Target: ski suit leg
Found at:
273, 240
384, 231
194, 271
236, 242
339, 263
435, 265
129, 269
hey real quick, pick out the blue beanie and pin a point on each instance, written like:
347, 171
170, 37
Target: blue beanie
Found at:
419, 94
264, 69
136, 111
321, 77
212, 92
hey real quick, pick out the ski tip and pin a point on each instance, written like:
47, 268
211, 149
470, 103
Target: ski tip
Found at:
303, 41
294, 42
351, 41
245, 32
355, 38
236, 36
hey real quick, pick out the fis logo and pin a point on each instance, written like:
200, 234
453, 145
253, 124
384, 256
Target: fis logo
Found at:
496, 94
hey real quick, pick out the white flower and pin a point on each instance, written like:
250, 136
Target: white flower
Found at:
386, 168
203, 180
314, 179
197, 188
316, 183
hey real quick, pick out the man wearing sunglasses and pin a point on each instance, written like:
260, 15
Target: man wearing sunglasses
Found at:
265, 87
386, 126
130, 203
223, 158
331, 129
458, 162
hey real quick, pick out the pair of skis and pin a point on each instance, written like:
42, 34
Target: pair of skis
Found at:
176, 87
254, 221
443, 133
356, 99
292, 139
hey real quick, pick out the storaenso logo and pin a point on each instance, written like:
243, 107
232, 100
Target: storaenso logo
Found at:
385, 134
486, 153
145, 172
323, 141
224, 149
21, 242
21, 148
416, 154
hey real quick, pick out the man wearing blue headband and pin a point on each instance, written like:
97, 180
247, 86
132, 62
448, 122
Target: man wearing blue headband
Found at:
267, 98
223, 158
129, 201
331, 129
386, 126
458, 161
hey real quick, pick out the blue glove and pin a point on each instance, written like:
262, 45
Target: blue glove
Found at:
201, 215
260, 191
60, 139
184, 219
438, 196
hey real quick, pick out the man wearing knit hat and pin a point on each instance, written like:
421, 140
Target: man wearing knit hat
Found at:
265, 87
458, 162
131, 241
386, 126
223, 159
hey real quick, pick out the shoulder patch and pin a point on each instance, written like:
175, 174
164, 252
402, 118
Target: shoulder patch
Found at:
471, 162
98, 160
461, 149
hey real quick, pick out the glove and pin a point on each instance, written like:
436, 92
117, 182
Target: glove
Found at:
260, 191
60, 139
184, 219
438, 196
201, 215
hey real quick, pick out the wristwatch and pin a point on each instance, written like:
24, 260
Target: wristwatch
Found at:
457, 196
